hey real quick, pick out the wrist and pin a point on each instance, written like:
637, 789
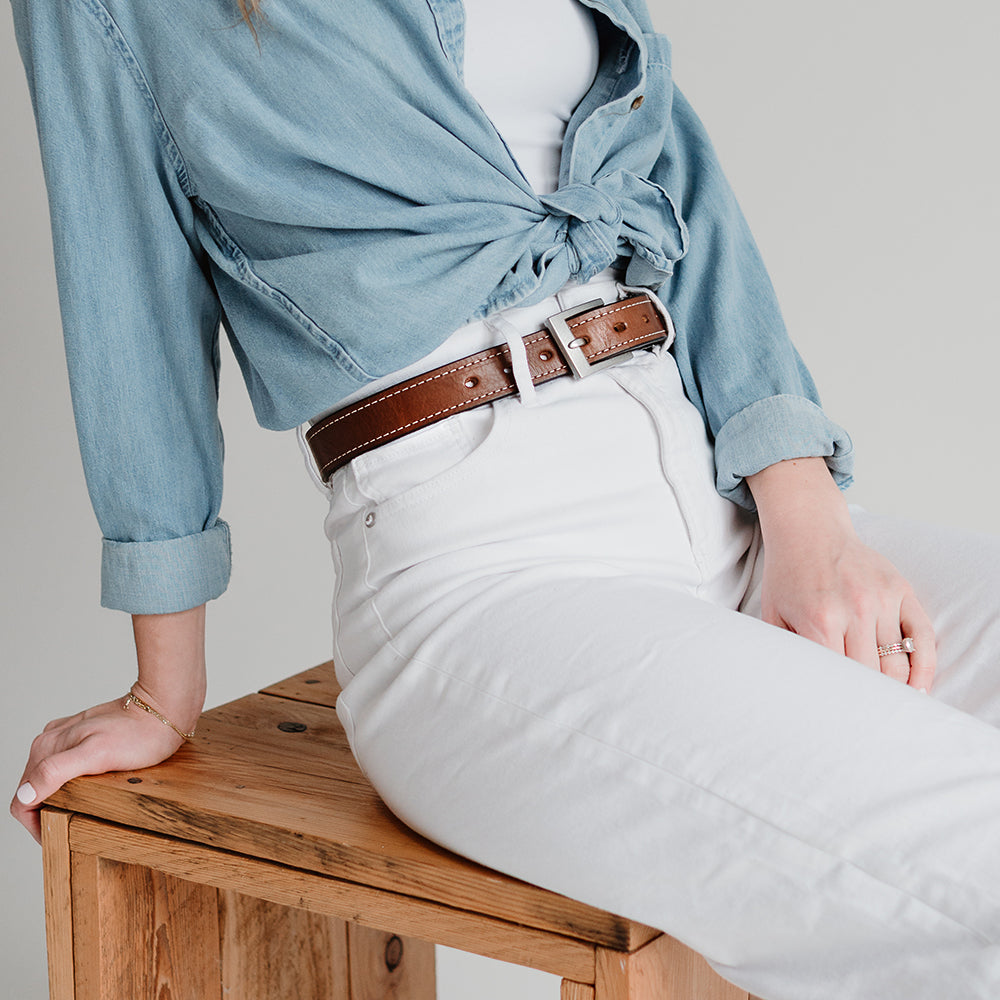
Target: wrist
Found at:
170, 653
797, 496
182, 721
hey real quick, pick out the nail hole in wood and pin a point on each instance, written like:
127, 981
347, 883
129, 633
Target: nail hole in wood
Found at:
292, 727
134, 781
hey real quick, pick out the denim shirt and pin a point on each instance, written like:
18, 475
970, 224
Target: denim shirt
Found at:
341, 203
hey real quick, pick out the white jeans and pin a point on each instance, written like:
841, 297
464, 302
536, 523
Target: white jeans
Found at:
538, 629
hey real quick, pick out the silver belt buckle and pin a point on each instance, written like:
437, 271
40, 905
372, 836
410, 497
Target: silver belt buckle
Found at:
570, 345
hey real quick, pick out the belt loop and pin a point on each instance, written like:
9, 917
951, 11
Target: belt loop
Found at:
310, 459
518, 357
625, 290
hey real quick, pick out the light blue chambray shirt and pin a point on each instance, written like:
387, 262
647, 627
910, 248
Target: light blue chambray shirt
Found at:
340, 201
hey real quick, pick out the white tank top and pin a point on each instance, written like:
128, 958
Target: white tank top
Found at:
529, 63
528, 83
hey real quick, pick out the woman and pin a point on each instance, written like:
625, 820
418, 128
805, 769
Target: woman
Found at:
546, 619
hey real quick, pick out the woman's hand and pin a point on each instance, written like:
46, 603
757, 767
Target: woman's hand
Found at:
104, 738
821, 582
170, 649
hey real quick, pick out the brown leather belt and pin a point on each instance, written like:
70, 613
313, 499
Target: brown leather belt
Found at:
578, 342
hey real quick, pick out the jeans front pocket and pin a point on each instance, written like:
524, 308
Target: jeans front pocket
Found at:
414, 467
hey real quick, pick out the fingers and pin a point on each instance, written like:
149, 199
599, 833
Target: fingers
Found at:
861, 636
45, 776
894, 665
860, 643
923, 660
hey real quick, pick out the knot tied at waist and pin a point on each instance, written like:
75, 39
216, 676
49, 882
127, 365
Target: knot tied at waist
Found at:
619, 214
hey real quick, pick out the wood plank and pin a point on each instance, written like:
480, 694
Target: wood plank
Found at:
273, 951
317, 686
186, 959
661, 969
143, 935
84, 883
385, 966
569, 990
376, 908
58, 903
298, 798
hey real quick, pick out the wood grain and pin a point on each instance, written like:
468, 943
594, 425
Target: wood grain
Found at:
86, 927
385, 966
272, 952
58, 903
298, 798
375, 908
142, 934
568, 990
662, 969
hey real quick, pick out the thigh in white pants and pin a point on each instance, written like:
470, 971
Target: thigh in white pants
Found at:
544, 628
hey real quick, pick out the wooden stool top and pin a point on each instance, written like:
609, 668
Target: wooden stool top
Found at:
271, 776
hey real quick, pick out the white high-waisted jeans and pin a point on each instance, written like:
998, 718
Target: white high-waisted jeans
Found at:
538, 630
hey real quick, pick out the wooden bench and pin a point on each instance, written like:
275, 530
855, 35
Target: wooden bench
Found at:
259, 864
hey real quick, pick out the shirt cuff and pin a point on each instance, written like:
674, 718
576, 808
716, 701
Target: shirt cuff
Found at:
155, 578
772, 430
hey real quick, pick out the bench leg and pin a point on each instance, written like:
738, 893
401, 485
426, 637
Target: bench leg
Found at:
58, 904
276, 952
138, 933
662, 969
117, 930
389, 966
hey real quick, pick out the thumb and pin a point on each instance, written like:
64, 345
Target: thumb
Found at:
44, 777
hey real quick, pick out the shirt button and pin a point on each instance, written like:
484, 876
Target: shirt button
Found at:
637, 103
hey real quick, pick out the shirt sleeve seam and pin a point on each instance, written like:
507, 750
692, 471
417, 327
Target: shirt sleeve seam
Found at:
120, 45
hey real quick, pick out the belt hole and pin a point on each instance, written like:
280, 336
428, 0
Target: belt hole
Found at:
579, 341
545, 356
471, 382
645, 319
620, 327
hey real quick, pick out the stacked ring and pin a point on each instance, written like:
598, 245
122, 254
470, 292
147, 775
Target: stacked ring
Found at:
906, 646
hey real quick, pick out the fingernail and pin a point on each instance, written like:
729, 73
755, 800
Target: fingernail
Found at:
26, 794
922, 690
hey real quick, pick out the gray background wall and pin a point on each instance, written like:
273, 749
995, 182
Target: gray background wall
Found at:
858, 137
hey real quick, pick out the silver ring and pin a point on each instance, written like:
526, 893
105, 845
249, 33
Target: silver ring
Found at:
906, 646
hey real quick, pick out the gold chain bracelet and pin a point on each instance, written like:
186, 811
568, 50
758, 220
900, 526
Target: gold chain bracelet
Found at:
131, 698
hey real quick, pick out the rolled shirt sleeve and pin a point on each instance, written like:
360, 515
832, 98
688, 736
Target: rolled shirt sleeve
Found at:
737, 362
139, 311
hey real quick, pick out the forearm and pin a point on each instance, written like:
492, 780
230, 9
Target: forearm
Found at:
170, 650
